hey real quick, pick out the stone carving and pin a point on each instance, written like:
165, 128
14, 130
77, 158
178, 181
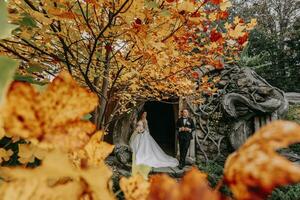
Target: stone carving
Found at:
244, 103
252, 97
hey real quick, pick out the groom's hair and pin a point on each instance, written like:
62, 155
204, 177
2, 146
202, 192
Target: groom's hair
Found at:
185, 109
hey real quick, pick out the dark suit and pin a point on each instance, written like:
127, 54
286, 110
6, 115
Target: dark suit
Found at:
184, 137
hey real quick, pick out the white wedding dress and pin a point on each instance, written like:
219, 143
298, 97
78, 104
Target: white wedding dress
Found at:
148, 152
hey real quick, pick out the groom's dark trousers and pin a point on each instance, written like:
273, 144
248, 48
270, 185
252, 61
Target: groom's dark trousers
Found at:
184, 137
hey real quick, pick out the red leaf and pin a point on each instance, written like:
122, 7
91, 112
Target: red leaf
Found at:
195, 75
216, 2
223, 15
138, 21
108, 48
215, 36
243, 39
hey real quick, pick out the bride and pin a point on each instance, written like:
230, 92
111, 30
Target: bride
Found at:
146, 150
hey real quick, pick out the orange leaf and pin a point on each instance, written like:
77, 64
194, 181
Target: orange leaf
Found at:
256, 169
193, 186
163, 187
222, 15
218, 64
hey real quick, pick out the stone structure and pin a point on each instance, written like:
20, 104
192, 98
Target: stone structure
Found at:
244, 103
252, 105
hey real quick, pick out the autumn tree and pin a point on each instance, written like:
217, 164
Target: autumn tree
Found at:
125, 51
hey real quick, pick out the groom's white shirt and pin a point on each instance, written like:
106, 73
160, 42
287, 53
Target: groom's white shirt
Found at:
184, 121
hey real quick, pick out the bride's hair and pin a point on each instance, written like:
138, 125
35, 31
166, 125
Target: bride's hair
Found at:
140, 115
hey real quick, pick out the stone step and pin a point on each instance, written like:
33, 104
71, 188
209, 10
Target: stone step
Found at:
171, 171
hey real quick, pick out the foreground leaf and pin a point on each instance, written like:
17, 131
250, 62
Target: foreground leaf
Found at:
256, 169
28, 152
193, 186
97, 150
6, 28
93, 153
53, 116
56, 179
5, 154
135, 187
7, 69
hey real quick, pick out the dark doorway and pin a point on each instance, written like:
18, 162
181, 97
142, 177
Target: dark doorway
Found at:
161, 121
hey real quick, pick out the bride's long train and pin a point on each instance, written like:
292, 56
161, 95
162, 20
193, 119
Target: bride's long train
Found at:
148, 152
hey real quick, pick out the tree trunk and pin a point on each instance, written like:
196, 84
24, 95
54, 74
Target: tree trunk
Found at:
104, 90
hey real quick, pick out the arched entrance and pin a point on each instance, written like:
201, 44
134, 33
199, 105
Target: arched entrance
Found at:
162, 124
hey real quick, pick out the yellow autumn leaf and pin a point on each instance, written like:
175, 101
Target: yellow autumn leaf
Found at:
213, 16
227, 26
2, 132
237, 20
40, 17
237, 32
97, 150
135, 187
56, 179
224, 5
5, 154
187, 5
28, 152
52, 116
252, 24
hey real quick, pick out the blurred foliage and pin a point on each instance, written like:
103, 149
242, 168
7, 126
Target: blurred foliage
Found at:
294, 113
9, 144
214, 170
290, 192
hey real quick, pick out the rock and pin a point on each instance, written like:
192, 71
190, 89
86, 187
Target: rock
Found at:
293, 97
123, 153
242, 82
171, 171
222, 84
245, 90
259, 98
264, 90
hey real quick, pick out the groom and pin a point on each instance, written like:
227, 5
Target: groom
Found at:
185, 126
